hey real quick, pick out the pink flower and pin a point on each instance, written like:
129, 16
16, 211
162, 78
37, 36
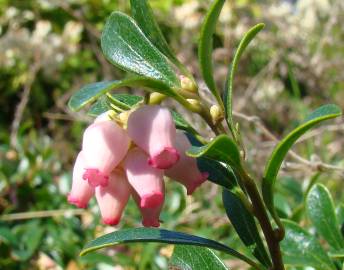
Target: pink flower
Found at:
81, 192
153, 130
146, 180
150, 216
113, 198
185, 170
104, 145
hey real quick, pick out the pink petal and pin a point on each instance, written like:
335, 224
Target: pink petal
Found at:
185, 170
113, 198
81, 191
150, 216
147, 181
152, 129
104, 145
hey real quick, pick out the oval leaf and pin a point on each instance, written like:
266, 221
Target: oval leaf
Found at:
248, 37
222, 148
125, 45
135, 235
275, 161
205, 47
91, 92
321, 212
100, 106
300, 248
144, 17
189, 258
244, 224
218, 173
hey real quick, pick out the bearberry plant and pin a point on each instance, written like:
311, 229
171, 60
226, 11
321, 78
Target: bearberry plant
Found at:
135, 142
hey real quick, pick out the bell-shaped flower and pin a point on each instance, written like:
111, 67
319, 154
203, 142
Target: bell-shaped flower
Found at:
113, 198
153, 130
81, 191
185, 170
147, 181
150, 216
104, 145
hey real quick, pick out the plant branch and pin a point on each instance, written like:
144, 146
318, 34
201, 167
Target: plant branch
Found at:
259, 210
18, 115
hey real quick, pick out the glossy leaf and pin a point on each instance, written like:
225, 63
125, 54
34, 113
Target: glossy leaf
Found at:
144, 17
321, 212
125, 45
136, 235
91, 92
244, 224
189, 258
248, 37
182, 124
218, 173
275, 161
125, 101
222, 148
205, 47
100, 106
299, 248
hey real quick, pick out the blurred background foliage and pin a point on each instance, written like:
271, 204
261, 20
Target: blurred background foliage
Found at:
49, 49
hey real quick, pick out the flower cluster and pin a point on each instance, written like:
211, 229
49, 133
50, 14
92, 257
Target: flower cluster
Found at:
115, 163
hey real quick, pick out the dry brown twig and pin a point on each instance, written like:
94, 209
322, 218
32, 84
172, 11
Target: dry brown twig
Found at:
18, 115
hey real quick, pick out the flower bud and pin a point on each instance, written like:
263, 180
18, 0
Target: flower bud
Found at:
185, 170
150, 216
113, 198
81, 192
187, 84
216, 113
153, 130
145, 180
104, 146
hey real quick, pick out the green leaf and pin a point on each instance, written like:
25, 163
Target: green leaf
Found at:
135, 235
300, 248
125, 45
218, 173
321, 212
182, 124
340, 213
244, 224
125, 101
7, 237
144, 17
100, 106
222, 148
90, 92
248, 37
275, 161
205, 47
192, 258
338, 254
